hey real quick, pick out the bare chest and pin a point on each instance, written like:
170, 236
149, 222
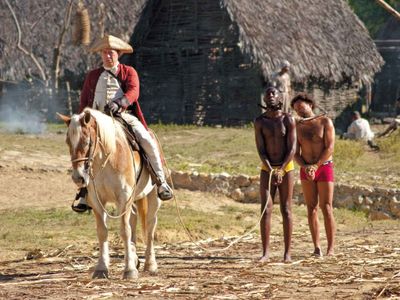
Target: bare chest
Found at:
274, 128
313, 132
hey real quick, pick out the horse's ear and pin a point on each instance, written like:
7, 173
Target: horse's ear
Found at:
86, 117
66, 119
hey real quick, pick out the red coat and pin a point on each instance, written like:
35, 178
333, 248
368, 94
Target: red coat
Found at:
129, 80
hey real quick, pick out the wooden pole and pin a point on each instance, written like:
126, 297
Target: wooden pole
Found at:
389, 8
57, 53
69, 102
23, 49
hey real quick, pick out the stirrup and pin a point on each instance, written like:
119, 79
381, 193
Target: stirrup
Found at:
80, 208
165, 194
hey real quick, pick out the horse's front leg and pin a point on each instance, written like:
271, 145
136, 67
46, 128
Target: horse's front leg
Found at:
101, 270
153, 205
131, 258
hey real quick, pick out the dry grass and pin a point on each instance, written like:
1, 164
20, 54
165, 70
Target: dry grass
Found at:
27, 230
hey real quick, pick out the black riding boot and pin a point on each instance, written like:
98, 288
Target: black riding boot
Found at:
81, 207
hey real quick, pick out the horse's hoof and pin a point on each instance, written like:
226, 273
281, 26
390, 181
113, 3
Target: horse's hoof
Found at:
151, 268
100, 274
133, 274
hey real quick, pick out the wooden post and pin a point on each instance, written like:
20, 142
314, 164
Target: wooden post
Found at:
57, 53
368, 96
69, 102
390, 9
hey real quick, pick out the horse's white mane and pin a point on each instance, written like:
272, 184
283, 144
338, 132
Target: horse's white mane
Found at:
109, 130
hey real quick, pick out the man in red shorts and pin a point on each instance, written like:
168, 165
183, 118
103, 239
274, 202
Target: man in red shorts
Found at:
315, 143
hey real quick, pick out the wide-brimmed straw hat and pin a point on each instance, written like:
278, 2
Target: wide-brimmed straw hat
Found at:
285, 64
111, 42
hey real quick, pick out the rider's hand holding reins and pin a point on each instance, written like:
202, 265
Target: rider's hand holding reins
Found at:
112, 107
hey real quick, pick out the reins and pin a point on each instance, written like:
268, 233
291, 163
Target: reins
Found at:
132, 197
89, 168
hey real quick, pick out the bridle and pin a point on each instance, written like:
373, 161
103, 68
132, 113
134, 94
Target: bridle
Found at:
88, 159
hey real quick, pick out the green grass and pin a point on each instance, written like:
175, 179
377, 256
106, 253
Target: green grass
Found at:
210, 150
391, 145
231, 150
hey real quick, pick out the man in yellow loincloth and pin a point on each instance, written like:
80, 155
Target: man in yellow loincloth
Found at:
275, 134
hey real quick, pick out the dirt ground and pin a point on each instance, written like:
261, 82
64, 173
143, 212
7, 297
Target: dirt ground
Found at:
366, 264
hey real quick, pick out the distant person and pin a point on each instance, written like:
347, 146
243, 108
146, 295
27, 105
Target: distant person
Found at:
393, 124
275, 137
281, 81
360, 129
111, 89
315, 144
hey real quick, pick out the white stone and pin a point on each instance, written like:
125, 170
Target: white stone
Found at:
368, 201
365, 208
224, 175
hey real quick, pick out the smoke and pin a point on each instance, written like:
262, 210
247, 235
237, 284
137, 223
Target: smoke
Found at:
27, 109
21, 121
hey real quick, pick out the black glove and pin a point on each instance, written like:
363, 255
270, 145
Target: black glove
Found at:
111, 107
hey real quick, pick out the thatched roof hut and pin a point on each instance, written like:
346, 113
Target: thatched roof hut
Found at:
205, 61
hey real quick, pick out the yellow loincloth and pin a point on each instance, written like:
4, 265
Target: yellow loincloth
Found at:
289, 167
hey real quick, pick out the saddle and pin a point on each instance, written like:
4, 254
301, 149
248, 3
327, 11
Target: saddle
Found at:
130, 135
135, 146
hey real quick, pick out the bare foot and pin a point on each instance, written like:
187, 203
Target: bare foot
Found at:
287, 258
317, 252
330, 252
264, 259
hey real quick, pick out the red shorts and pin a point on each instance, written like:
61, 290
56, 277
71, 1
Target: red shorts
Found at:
323, 173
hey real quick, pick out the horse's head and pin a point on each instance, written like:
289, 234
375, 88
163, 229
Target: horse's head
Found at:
81, 140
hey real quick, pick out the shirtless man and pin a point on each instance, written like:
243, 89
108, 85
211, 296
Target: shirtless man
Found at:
275, 135
315, 142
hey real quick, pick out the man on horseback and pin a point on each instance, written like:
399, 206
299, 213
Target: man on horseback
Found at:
111, 89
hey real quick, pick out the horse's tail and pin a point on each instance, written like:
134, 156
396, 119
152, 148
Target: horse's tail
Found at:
143, 207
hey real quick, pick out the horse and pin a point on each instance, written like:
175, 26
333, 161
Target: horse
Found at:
103, 161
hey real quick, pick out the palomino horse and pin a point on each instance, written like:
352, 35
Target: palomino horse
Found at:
103, 161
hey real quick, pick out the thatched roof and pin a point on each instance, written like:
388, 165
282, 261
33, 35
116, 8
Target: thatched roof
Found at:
322, 39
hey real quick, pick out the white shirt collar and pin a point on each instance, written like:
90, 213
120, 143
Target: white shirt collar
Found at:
113, 69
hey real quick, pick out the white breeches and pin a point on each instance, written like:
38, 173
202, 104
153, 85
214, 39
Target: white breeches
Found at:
148, 144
